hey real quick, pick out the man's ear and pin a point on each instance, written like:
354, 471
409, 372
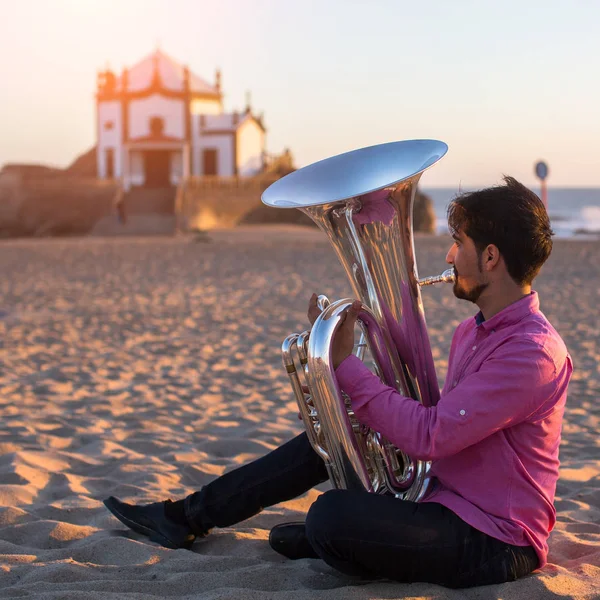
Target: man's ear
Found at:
491, 257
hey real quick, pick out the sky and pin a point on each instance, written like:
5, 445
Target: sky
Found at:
503, 83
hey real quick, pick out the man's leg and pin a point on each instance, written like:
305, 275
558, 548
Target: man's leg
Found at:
380, 536
280, 475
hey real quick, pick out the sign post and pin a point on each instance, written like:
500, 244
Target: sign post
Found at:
541, 170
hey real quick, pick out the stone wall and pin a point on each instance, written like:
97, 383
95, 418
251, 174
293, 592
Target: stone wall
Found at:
219, 202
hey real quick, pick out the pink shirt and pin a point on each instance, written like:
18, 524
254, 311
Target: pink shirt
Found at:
493, 437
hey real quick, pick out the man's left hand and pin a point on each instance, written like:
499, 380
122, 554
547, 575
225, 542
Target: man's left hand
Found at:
343, 343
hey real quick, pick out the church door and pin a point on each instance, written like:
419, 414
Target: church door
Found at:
209, 161
157, 168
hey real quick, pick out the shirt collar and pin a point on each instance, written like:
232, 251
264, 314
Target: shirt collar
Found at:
510, 315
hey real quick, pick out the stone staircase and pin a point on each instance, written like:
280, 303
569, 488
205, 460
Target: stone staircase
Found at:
148, 211
150, 201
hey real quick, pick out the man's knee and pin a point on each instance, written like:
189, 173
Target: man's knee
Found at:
329, 530
329, 516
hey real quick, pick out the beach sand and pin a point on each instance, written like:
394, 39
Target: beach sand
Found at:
145, 367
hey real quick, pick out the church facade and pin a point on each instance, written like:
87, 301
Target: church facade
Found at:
158, 123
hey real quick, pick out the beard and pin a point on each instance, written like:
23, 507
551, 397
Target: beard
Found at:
469, 295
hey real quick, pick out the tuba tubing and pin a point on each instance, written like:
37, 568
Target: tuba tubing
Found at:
344, 446
363, 202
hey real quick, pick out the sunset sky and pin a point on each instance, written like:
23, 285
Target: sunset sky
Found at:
504, 83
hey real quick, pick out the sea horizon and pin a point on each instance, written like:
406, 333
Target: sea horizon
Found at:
574, 211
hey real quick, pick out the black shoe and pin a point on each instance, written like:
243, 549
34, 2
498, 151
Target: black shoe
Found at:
290, 540
151, 520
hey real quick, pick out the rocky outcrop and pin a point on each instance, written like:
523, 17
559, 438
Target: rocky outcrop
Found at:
84, 165
424, 219
40, 201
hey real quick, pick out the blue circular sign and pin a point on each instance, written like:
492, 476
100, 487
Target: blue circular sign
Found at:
541, 170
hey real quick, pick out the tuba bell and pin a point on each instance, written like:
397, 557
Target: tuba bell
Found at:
363, 201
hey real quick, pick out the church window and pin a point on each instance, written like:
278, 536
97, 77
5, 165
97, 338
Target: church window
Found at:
157, 126
209, 161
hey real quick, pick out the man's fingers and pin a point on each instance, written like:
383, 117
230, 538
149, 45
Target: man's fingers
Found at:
351, 313
354, 310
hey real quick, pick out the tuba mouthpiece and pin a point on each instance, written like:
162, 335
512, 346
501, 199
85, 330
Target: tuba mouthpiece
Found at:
446, 277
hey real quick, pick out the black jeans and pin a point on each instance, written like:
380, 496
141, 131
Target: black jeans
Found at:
360, 533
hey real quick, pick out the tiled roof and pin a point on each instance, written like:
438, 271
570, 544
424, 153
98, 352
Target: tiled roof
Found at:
171, 74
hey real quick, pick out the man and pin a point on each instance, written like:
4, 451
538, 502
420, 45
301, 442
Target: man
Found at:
493, 437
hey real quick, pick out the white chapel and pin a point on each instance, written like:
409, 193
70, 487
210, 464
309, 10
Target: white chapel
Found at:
158, 123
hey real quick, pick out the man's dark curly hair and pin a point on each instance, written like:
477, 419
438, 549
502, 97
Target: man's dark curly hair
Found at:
512, 218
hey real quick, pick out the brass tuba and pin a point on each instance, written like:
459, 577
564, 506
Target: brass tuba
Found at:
363, 201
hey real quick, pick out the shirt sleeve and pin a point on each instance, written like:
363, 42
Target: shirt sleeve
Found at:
511, 385
457, 336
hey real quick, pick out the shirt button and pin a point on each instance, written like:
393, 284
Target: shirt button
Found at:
474, 347
462, 413
454, 383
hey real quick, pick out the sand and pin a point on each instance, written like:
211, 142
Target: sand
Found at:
145, 367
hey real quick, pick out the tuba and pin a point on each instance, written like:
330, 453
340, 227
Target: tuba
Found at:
363, 201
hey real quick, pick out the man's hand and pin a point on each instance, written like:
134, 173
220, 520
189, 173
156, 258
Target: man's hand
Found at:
343, 342
313, 310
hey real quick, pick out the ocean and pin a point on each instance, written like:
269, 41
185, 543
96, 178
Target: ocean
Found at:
574, 212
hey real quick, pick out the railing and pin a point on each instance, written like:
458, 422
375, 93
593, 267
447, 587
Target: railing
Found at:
233, 182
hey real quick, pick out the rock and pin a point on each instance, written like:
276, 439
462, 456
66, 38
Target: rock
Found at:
84, 165
26, 172
424, 219
53, 206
